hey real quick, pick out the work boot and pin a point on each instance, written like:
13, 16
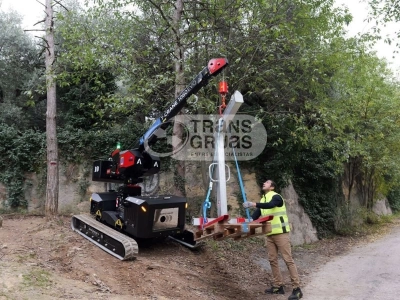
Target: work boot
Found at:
296, 294
275, 290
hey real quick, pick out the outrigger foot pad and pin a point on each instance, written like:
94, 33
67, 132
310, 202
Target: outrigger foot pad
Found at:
186, 238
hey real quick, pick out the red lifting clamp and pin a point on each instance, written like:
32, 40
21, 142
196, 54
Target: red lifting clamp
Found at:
223, 90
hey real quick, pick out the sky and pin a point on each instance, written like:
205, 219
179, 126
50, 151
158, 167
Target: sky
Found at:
32, 12
359, 11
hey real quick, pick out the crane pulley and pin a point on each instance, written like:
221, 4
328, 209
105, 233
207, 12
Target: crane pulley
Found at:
223, 91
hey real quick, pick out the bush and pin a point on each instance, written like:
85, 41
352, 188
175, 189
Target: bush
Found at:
22, 151
346, 218
394, 199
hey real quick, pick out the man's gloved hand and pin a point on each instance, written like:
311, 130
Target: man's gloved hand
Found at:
248, 204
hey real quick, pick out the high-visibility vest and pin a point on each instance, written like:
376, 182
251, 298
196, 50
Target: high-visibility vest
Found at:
280, 222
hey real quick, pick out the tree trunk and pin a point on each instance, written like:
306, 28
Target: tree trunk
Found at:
51, 206
353, 170
179, 173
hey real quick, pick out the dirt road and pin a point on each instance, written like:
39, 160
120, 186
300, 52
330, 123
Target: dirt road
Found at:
369, 271
46, 260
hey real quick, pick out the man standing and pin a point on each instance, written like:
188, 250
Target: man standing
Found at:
278, 240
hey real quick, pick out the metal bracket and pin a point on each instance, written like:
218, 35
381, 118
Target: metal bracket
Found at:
211, 171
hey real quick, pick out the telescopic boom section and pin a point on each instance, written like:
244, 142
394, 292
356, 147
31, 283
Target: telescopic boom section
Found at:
214, 67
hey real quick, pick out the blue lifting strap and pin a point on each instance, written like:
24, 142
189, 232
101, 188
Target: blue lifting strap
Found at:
207, 203
241, 183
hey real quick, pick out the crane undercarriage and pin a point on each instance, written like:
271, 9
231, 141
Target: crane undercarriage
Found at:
118, 229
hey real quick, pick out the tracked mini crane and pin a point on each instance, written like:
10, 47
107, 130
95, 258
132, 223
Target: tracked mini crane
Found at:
118, 218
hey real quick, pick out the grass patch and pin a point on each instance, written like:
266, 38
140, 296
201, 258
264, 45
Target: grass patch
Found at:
37, 278
360, 222
373, 225
13, 211
26, 257
4, 295
306, 246
235, 245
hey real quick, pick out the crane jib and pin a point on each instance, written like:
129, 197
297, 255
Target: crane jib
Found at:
214, 67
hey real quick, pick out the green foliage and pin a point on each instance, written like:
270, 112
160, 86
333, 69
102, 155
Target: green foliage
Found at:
80, 102
119, 44
359, 123
18, 64
18, 57
22, 152
319, 189
79, 146
394, 199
